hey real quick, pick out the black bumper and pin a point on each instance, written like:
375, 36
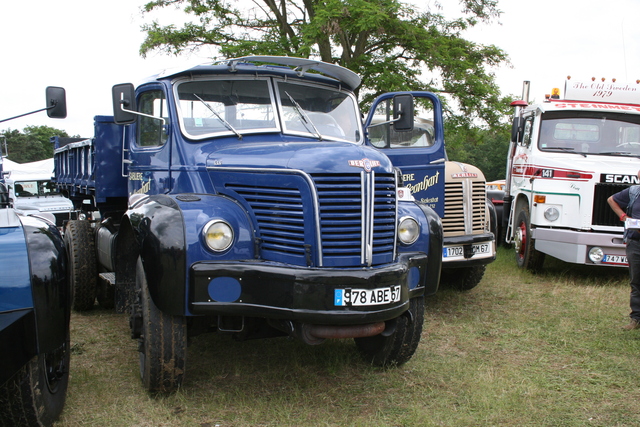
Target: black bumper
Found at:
277, 291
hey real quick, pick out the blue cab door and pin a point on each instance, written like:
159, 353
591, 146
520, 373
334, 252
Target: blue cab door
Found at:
418, 152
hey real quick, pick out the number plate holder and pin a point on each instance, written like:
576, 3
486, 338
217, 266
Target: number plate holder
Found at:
366, 297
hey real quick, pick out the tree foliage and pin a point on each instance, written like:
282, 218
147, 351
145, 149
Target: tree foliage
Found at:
484, 148
30, 146
393, 45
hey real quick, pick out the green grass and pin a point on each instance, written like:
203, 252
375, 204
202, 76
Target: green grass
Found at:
518, 350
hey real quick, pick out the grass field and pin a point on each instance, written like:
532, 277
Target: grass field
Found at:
518, 350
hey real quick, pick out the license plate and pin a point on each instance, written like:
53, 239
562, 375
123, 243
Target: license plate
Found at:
458, 251
362, 297
615, 259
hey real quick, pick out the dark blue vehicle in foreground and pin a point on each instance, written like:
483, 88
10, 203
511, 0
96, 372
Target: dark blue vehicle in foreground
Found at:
35, 306
244, 198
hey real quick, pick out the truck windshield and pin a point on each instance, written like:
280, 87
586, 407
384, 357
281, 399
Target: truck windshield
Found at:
590, 133
240, 106
34, 188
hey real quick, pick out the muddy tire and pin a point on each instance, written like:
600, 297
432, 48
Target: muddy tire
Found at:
80, 243
396, 347
527, 256
162, 344
35, 395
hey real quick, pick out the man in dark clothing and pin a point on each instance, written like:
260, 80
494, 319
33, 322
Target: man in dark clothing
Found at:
620, 202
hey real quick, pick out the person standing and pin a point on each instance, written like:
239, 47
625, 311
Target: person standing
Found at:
626, 204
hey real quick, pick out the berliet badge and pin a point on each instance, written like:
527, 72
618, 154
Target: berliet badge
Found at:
366, 164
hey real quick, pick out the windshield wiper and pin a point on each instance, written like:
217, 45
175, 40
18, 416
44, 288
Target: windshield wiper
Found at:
303, 116
219, 117
567, 149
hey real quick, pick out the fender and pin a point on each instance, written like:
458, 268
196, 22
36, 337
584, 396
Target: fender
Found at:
434, 263
157, 227
49, 283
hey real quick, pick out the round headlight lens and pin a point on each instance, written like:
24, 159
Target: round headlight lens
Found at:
596, 254
552, 213
218, 235
408, 230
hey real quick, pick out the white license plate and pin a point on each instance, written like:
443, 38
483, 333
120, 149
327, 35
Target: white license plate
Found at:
615, 259
362, 297
458, 251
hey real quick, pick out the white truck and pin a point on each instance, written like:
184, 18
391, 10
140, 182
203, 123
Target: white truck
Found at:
566, 157
36, 194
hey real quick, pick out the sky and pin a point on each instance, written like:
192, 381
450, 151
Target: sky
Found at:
87, 46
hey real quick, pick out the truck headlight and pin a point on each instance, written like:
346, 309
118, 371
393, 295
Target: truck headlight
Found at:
596, 254
218, 235
551, 213
408, 230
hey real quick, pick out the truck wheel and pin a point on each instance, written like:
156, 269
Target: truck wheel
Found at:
526, 254
397, 347
80, 243
464, 278
163, 343
35, 395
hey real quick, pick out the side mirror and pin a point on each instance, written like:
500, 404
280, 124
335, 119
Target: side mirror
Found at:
56, 102
403, 113
517, 129
124, 103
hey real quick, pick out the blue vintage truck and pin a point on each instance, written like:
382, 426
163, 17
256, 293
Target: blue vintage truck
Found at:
35, 307
246, 197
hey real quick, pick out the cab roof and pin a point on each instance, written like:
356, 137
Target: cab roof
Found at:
284, 65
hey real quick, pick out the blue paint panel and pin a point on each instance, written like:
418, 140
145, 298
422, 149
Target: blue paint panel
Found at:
414, 277
15, 282
225, 289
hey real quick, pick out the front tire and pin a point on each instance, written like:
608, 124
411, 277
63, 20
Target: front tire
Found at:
526, 255
398, 346
464, 278
35, 395
80, 243
162, 344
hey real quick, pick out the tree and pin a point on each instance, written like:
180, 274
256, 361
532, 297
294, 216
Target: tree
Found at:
484, 148
391, 44
32, 145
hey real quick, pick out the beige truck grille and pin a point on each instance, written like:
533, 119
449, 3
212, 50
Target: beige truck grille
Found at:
464, 208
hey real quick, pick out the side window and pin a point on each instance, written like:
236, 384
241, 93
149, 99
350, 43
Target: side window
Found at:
151, 130
528, 126
382, 134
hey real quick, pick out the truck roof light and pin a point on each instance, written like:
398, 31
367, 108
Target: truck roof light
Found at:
519, 103
555, 93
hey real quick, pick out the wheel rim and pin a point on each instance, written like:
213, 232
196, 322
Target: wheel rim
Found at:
521, 240
55, 367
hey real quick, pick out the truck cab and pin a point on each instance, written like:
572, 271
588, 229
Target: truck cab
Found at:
566, 157
455, 190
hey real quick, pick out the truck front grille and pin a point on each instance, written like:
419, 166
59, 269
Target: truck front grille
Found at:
464, 208
602, 212
344, 220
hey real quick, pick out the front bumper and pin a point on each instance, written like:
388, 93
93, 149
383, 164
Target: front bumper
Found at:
277, 291
465, 256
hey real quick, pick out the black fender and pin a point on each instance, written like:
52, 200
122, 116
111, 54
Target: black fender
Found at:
434, 263
49, 283
153, 228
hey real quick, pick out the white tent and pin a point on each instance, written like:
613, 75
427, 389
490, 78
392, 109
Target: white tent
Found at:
42, 168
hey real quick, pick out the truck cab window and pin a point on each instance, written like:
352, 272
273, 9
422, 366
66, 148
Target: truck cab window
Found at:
382, 134
526, 136
151, 132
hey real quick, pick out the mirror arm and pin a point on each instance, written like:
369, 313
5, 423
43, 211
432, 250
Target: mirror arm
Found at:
26, 114
137, 113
